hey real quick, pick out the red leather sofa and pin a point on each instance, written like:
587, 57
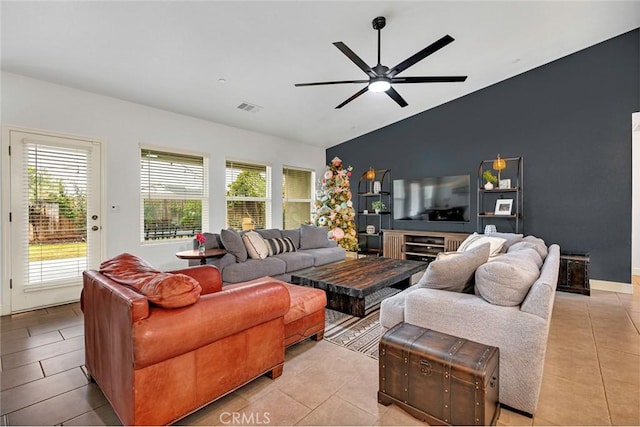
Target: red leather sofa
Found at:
155, 364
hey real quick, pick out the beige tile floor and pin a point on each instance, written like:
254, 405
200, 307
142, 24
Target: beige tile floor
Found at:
591, 377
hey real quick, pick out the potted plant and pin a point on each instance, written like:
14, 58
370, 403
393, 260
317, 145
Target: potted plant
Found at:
490, 179
378, 206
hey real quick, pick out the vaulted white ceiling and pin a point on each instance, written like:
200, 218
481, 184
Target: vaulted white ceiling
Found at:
171, 55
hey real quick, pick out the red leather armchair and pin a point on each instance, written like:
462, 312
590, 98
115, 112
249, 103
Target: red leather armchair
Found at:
156, 365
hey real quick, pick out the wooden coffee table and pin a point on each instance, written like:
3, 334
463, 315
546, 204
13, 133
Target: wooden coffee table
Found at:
348, 282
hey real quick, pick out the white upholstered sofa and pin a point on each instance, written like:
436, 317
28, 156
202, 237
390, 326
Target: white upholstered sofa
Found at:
519, 331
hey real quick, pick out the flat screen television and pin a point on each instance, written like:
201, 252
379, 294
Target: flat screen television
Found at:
442, 198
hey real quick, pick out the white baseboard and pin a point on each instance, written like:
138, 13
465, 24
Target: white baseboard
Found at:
635, 271
604, 285
5, 309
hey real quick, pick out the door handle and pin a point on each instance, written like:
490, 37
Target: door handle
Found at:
95, 228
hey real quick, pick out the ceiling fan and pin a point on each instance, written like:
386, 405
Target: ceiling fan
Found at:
382, 77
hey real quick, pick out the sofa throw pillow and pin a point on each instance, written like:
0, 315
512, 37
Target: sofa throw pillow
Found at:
525, 252
270, 233
478, 239
128, 270
279, 245
166, 290
447, 255
528, 246
454, 273
232, 242
255, 244
294, 235
510, 238
506, 281
312, 237
169, 290
540, 245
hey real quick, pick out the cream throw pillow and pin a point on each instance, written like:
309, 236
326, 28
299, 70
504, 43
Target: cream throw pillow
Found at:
479, 239
255, 244
447, 255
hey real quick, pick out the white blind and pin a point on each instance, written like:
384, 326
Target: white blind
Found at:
248, 189
171, 176
297, 190
174, 194
297, 184
56, 181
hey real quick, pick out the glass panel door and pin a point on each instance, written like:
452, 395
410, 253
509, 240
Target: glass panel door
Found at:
56, 224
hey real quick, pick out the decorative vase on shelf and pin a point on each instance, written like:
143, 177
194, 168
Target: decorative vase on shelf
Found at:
201, 248
488, 186
489, 228
376, 187
377, 211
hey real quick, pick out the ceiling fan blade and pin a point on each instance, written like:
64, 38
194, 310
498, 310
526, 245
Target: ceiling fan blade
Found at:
396, 97
354, 96
420, 55
355, 58
433, 79
331, 83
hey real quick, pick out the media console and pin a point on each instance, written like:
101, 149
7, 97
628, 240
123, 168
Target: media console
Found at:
419, 245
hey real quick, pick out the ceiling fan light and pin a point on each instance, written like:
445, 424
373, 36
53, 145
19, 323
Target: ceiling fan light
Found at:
380, 85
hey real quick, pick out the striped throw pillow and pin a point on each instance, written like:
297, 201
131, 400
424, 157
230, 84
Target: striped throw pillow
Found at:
280, 245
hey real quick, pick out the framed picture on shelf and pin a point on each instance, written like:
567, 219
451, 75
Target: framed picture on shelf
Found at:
505, 183
503, 206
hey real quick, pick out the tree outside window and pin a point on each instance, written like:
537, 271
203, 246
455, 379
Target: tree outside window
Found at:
248, 196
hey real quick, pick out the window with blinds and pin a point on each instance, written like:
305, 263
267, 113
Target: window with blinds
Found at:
297, 196
57, 181
248, 195
174, 195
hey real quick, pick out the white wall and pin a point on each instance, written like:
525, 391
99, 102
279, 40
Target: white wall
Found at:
123, 126
635, 184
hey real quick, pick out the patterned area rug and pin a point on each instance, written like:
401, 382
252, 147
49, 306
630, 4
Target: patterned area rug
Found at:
355, 333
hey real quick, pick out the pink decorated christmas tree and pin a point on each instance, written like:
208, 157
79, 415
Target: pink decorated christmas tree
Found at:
334, 207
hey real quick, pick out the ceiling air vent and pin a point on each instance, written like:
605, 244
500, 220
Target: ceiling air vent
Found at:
252, 108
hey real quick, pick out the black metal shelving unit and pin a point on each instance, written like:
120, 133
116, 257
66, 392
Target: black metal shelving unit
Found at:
371, 224
486, 199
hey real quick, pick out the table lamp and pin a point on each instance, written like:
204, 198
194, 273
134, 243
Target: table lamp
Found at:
499, 164
370, 175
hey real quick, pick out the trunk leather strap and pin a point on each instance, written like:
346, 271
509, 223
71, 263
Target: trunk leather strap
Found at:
406, 353
447, 378
478, 417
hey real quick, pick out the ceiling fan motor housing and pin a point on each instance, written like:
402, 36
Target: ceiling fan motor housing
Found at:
380, 69
379, 23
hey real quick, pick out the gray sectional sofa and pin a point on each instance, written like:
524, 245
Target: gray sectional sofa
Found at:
510, 308
311, 247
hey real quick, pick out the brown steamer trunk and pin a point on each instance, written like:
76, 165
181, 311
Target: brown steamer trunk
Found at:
439, 378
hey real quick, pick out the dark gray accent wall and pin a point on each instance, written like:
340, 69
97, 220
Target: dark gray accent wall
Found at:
571, 122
